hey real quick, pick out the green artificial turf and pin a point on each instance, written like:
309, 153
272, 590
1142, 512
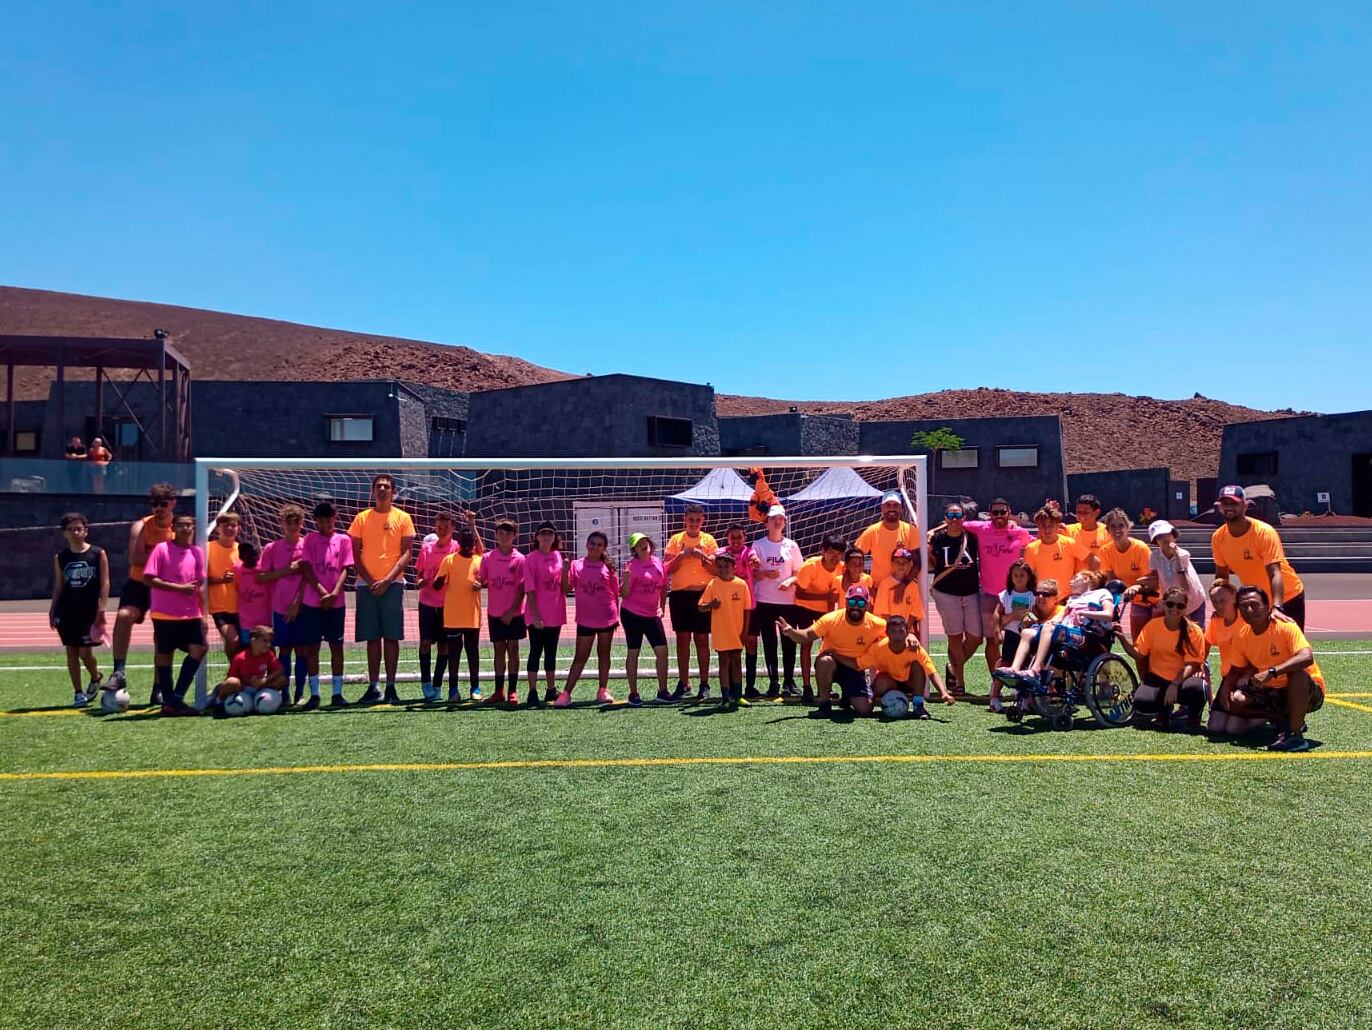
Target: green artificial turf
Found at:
1105, 893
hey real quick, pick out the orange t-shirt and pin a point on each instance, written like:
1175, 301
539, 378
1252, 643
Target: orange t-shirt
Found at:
881, 658
1249, 555
845, 638
814, 577
1278, 644
1088, 543
153, 534
879, 542
1127, 566
1059, 560
1222, 638
726, 621
692, 573
842, 588
377, 538
1158, 644
461, 592
219, 560
885, 604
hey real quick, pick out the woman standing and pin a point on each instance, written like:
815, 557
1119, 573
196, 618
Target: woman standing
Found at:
779, 561
1126, 560
955, 561
545, 608
595, 584
644, 590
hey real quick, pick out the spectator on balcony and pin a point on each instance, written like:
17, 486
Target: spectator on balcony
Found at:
99, 453
76, 450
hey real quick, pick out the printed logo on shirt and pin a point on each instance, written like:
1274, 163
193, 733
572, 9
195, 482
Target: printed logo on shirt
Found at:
1247, 554
1272, 650
79, 573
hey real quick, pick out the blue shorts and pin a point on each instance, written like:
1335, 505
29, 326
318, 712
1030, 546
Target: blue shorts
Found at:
380, 618
315, 625
287, 634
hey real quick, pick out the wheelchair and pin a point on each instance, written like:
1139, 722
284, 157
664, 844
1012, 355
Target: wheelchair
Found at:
1091, 675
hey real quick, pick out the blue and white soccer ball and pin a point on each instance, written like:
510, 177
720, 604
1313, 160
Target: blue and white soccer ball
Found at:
238, 704
895, 705
114, 702
268, 701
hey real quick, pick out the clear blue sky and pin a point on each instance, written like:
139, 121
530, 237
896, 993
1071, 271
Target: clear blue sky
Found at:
1152, 197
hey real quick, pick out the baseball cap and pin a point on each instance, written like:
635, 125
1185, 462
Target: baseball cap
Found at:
1232, 492
858, 591
325, 510
902, 552
775, 509
890, 497
1158, 528
545, 527
636, 538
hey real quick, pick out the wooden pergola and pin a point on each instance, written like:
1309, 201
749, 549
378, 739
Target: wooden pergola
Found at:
155, 361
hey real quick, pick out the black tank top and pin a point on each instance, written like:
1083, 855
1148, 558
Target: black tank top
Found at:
80, 580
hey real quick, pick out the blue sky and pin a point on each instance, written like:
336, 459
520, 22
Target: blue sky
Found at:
839, 201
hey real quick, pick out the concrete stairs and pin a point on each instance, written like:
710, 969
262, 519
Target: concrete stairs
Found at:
1309, 549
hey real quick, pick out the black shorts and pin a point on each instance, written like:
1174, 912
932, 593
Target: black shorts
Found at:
74, 628
313, 626
637, 628
591, 631
803, 618
1294, 607
1009, 644
749, 623
135, 594
852, 682
430, 622
503, 632
684, 608
170, 635
222, 619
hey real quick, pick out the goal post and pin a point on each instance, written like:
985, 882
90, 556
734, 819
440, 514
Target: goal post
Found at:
822, 495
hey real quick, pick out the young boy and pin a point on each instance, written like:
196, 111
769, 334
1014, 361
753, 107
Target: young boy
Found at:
502, 574
175, 575
816, 595
899, 662
254, 596
253, 671
281, 567
431, 555
457, 578
223, 591
898, 593
80, 590
325, 560
746, 563
727, 599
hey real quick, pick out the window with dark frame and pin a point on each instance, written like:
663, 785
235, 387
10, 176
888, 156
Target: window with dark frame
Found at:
447, 424
26, 441
351, 428
1256, 463
963, 458
664, 431
1017, 457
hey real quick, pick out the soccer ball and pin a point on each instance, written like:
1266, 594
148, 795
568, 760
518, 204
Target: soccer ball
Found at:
895, 705
268, 701
114, 702
238, 704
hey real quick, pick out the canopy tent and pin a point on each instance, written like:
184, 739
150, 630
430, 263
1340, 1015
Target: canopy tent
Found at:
722, 491
836, 487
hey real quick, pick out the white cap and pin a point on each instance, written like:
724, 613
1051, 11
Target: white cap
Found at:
776, 509
1158, 528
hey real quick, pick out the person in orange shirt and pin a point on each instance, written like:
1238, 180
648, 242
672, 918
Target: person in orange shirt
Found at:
846, 635
689, 558
1274, 675
1170, 654
726, 599
898, 662
898, 593
220, 556
1126, 560
816, 595
1053, 555
1220, 631
1087, 531
383, 544
458, 579
852, 575
135, 598
882, 537
1254, 551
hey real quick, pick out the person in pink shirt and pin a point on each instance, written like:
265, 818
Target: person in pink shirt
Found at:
1001, 542
502, 575
325, 559
595, 583
644, 590
254, 596
746, 563
280, 566
431, 555
545, 608
175, 573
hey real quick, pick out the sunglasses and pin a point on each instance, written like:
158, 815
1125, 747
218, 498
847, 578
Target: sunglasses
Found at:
1044, 593
162, 504
956, 515
1174, 605
856, 602
1000, 511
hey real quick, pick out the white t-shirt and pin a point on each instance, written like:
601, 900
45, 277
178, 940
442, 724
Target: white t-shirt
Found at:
1178, 572
1092, 600
785, 558
1016, 604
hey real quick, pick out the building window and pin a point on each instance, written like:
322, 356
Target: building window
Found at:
1017, 457
26, 441
966, 458
350, 428
444, 424
125, 433
1257, 463
669, 432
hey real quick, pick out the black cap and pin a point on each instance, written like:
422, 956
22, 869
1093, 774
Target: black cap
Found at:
545, 526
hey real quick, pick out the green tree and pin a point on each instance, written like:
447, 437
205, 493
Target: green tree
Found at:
937, 441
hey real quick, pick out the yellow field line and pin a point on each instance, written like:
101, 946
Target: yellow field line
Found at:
1348, 704
1351, 693
651, 763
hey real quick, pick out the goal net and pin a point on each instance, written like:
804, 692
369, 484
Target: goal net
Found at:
822, 496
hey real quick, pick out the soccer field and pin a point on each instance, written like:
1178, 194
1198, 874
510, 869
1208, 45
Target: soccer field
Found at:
676, 866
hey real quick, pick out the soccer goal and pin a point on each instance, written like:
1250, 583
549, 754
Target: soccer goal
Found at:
823, 496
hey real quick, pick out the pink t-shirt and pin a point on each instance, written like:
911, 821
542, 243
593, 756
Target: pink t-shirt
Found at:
176, 565
278, 555
431, 556
543, 580
254, 598
645, 587
503, 575
743, 569
330, 557
998, 549
597, 593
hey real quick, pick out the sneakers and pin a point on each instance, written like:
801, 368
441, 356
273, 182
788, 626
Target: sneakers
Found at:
155, 698
664, 697
635, 700
550, 695
80, 699
807, 697
371, 697
391, 697
454, 696
752, 693
475, 694
993, 705
338, 701
790, 689
681, 692
773, 693
498, 698
311, 704
1288, 741
299, 695
919, 710
532, 699
742, 702
703, 691
175, 706
824, 711
602, 697
118, 681
512, 698
563, 700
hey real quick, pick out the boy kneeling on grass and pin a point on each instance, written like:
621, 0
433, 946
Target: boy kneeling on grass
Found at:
256, 677
727, 599
898, 662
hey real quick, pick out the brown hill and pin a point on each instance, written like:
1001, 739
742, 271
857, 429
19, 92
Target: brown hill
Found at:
1101, 431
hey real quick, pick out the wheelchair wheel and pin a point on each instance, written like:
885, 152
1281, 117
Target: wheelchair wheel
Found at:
1053, 703
1110, 685
1062, 721
1014, 713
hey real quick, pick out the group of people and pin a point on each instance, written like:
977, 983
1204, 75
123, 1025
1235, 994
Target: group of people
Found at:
992, 581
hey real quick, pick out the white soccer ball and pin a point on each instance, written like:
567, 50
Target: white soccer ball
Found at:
895, 705
238, 704
114, 702
268, 701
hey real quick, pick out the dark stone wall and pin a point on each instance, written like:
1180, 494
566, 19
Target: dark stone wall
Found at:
1314, 453
263, 420
1024, 488
27, 556
589, 417
31, 416
1130, 489
788, 434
